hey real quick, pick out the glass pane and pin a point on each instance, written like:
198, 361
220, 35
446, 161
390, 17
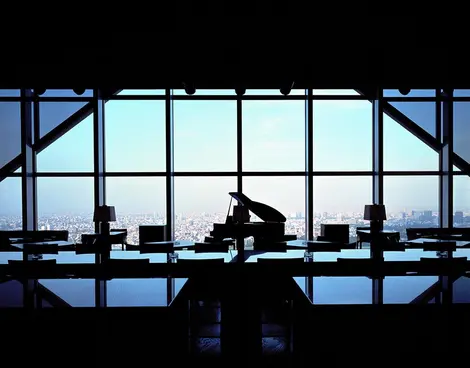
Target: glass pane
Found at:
285, 194
66, 204
342, 92
411, 201
413, 93
201, 92
273, 135
135, 136
52, 114
341, 200
405, 152
462, 129
10, 131
73, 152
125, 92
342, 135
138, 201
422, 113
66, 93
9, 92
10, 204
205, 135
461, 201
455, 168
461, 92
199, 203
274, 92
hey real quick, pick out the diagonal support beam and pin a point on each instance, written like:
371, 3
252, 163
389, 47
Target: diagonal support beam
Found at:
419, 132
53, 135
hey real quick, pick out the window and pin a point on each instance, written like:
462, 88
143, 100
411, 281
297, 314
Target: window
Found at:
66, 204
10, 204
130, 92
72, 152
53, 114
66, 93
461, 201
462, 129
405, 152
138, 201
200, 92
199, 203
274, 92
286, 194
10, 131
9, 93
205, 135
421, 113
273, 135
412, 93
342, 135
341, 200
411, 201
135, 136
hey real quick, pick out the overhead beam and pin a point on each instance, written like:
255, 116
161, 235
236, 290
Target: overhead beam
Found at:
69, 123
417, 131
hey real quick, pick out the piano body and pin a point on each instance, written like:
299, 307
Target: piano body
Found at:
238, 227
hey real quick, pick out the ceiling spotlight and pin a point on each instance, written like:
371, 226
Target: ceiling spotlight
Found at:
39, 91
240, 91
79, 91
189, 88
404, 91
285, 90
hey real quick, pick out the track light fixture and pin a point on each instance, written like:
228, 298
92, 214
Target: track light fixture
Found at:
79, 91
286, 88
404, 91
189, 88
39, 91
240, 91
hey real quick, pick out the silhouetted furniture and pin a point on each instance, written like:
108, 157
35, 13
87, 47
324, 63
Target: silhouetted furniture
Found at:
238, 226
210, 248
456, 233
151, 233
361, 237
335, 233
8, 237
119, 235
383, 237
157, 247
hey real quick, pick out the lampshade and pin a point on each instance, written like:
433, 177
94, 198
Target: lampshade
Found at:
374, 212
104, 214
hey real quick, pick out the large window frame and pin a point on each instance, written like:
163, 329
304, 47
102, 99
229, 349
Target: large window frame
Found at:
31, 144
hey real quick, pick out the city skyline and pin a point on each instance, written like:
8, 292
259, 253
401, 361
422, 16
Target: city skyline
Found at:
273, 140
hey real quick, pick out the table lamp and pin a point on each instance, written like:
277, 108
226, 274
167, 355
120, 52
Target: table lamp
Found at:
375, 213
104, 215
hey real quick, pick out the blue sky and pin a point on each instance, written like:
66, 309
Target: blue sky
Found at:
205, 140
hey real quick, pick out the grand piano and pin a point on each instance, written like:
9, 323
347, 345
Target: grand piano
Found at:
269, 231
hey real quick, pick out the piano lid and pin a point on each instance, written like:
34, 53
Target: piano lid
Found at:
263, 211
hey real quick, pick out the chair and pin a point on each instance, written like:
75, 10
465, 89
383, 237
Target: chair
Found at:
121, 238
361, 237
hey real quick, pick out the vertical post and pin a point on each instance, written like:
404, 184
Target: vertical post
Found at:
377, 148
239, 145
99, 179
170, 179
446, 211
28, 162
377, 290
309, 211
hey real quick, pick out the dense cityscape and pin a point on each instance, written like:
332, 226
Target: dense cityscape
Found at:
196, 226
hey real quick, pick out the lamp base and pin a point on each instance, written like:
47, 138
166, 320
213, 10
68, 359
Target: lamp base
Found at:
104, 228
